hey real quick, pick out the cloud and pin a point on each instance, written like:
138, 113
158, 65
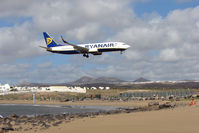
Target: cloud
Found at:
168, 55
10, 8
173, 39
18, 42
12, 73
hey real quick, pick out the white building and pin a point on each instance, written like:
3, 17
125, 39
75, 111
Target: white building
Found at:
107, 88
93, 88
64, 89
101, 88
5, 87
44, 89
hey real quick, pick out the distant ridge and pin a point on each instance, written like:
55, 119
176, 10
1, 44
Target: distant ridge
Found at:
141, 80
113, 82
89, 80
29, 84
81, 80
188, 80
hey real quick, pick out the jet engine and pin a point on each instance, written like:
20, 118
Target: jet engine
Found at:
97, 53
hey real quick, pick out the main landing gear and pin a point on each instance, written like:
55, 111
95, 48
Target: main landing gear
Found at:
86, 55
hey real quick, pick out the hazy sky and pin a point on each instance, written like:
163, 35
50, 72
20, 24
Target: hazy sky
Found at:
163, 34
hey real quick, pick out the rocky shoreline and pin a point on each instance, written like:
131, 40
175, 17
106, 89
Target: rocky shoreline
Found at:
42, 122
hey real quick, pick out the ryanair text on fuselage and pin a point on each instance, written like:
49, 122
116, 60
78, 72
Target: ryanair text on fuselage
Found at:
100, 45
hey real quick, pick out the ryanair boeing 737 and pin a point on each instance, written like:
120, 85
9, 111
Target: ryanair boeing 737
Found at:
85, 49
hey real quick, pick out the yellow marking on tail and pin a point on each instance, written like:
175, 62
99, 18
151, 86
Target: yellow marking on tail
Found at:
48, 40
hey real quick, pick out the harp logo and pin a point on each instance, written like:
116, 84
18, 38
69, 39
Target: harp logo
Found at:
48, 41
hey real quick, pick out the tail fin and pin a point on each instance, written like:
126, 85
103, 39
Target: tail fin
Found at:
49, 41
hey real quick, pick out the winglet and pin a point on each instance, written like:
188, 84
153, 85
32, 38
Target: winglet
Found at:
65, 41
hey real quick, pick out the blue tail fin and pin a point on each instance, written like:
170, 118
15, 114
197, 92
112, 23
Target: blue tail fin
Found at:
49, 41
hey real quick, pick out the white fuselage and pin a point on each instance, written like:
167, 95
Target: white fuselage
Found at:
94, 48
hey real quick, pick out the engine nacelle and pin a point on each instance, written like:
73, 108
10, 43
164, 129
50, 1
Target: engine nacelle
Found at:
94, 51
97, 53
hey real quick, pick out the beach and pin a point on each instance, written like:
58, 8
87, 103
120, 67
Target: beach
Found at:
181, 119
178, 120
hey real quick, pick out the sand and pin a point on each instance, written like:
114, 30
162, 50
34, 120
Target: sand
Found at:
177, 120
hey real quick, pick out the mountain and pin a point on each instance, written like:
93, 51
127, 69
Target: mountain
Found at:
89, 80
82, 80
107, 79
22, 84
117, 83
141, 80
29, 84
187, 80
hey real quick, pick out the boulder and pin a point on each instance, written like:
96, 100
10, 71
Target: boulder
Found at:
14, 116
57, 123
7, 127
167, 105
153, 104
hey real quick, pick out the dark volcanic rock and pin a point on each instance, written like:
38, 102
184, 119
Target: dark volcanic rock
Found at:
57, 123
59, 117
14, 116
7, 127
44, 125
153, 104
167, 105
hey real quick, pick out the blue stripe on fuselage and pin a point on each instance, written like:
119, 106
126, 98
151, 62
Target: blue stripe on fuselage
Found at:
99, 50
110, 49
66, 52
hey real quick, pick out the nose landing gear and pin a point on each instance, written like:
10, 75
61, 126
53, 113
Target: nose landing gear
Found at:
122, 51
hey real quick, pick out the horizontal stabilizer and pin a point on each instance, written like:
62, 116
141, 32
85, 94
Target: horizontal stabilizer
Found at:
48, 49
43, 47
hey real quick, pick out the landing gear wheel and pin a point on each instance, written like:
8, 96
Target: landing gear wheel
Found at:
86, 55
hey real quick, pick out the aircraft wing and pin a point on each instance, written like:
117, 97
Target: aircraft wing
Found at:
79, 48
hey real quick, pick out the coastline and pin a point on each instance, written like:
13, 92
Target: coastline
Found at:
129, 103
61, 121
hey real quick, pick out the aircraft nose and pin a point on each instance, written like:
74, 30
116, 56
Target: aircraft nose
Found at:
128, 46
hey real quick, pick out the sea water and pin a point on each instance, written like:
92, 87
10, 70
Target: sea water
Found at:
31, 110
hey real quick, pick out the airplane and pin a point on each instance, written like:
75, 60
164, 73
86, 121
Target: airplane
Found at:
85, 49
